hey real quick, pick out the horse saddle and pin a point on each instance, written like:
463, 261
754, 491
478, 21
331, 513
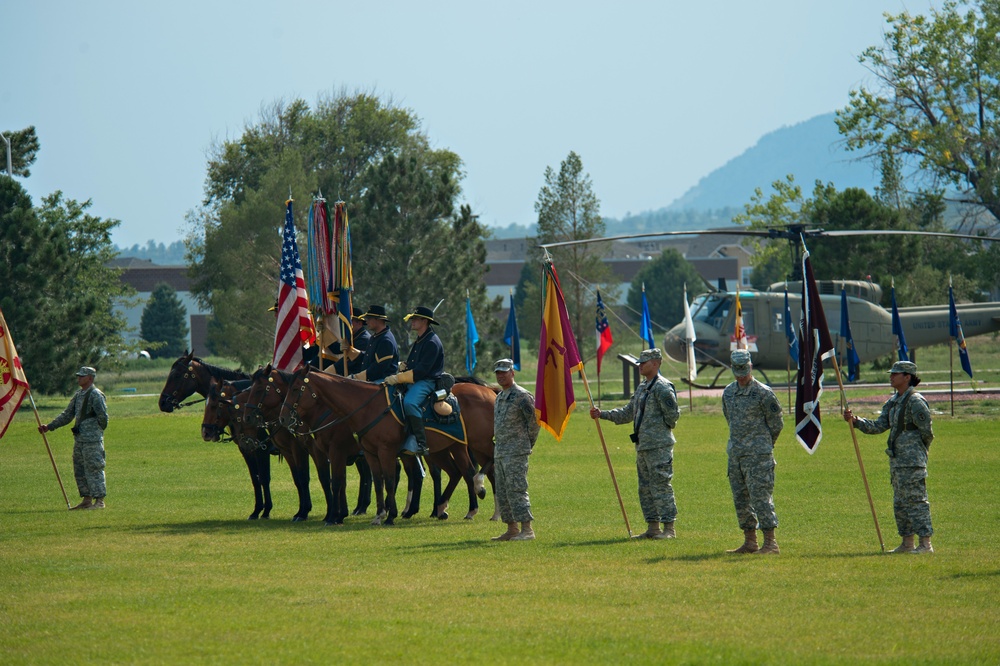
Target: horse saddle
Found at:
443, 409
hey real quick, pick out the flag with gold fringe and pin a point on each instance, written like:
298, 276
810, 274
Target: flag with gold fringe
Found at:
558, 358
13, 384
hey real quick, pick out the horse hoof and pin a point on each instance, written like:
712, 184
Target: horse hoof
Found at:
359, 512
298, 519
252, 516
481, 493
443, 515
470, 515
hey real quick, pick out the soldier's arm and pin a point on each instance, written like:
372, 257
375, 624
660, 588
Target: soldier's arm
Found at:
100, 406
920, 414
666, 398
67, 415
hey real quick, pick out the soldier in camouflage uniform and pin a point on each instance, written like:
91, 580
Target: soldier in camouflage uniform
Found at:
653, 412
908, 419
755, 421
515, 430
89, 409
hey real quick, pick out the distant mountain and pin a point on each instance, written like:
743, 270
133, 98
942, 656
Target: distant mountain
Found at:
811, 150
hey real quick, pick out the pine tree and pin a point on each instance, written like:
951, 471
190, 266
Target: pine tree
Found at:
163, 323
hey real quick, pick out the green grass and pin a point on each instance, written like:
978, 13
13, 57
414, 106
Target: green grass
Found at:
171, 572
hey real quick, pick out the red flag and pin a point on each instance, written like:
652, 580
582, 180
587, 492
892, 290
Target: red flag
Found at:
815, 345
13, 384
294, 326
558, 357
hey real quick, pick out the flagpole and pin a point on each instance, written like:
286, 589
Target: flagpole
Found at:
607, 457
951, 375
857, 452
45, 439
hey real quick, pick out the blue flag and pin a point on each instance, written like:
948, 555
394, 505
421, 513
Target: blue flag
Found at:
793, 342
897, 330
955, 331
511, 337
471, 338
646, 325
853, 362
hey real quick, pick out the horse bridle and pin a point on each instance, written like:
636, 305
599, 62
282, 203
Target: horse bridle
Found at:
188, 374
294, 421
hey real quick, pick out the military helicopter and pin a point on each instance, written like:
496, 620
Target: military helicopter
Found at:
714, 313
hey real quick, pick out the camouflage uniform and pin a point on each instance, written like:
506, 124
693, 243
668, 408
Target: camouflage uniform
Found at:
653, 412
907, 451
755, 421
88, 439
515, 432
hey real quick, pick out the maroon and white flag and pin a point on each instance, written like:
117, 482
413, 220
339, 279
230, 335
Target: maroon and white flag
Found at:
815, 345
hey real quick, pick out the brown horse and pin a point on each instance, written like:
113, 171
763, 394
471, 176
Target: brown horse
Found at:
225, 407
334, 444
365, 408
189, 375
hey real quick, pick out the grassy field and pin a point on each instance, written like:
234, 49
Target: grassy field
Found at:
171, 572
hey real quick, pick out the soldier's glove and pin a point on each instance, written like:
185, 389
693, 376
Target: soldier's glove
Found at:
361, 376
402, 366
400, 378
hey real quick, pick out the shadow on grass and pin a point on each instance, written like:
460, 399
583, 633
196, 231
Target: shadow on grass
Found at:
974, 574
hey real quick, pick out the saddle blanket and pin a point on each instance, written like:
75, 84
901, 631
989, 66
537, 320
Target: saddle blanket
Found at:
451, 426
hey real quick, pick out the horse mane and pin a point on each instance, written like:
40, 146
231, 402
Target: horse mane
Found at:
222, 373
468, 379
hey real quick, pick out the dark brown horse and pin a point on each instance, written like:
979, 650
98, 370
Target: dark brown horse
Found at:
189, 375
334, 444
364, 407
225, 407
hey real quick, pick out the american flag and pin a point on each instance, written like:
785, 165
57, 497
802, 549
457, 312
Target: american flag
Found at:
294, 325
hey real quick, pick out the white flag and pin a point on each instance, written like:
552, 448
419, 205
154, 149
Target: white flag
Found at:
689, 338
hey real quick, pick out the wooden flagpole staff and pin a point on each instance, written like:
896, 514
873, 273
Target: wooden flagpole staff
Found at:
857, 451
45, 439
607, 456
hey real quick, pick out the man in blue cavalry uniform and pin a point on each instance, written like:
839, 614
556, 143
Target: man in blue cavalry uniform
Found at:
424, 366
355, 352
381, 357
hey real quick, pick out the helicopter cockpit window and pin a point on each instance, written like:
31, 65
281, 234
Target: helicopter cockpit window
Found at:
711, 309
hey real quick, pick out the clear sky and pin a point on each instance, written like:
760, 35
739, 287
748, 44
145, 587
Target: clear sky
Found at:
127, 97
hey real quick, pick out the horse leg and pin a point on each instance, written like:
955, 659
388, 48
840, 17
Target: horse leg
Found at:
387, 460
379, 479
336, 470
414, 486
435, 470
444, 462
258, 494
264, 470
468, 472
299, 465
364, 486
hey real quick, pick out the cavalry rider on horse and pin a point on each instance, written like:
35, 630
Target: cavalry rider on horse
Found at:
381, 357
423, 367
354, 351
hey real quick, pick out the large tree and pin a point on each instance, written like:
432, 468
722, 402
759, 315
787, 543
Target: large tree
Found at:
412, 245
920, 266
163, 322
58, 294
935, 99
569, 210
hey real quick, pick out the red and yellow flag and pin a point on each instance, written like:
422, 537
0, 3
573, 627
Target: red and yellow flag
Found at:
13, 384
558, 357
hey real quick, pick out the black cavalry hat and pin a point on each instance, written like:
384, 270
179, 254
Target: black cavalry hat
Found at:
421, 311
376, 312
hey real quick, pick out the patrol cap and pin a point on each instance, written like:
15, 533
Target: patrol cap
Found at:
421, 311
650, 354
503, 365
740, 361
906, 367
376, 312
86, 371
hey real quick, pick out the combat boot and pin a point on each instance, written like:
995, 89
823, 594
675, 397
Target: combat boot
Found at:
653, 531
749, 543
85, 504
98, 503
526, 533
667, 533
905, 547
511, 532
925, 546
770, 546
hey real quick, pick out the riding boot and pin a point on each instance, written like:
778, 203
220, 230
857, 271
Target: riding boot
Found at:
905, 547
770, 546
749, 543
526, 533
511, 532
415, 426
